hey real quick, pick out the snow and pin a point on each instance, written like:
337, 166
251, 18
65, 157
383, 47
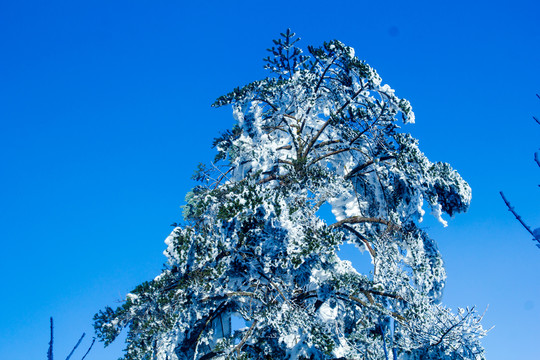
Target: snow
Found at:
327, 312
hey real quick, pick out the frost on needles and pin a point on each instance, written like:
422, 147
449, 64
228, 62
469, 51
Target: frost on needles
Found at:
321, 129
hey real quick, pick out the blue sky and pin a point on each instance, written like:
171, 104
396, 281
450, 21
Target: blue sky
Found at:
105, 112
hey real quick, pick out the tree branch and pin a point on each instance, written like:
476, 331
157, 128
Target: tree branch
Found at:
90, 348
286, 162
518, 217
270, 178
267, 102
329, 142
316, 90
318, 134
452, 327
369, 126
76, 346
362, 238
365, 165
327, 155
378, 306
238, 347
229, 295
222, 176
361, 219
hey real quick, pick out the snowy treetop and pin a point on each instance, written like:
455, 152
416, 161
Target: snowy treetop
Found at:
323, 129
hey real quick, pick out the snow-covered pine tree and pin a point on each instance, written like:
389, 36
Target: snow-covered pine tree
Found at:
322, 129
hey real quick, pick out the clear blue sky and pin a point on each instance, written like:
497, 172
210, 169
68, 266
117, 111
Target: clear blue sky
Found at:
105, 112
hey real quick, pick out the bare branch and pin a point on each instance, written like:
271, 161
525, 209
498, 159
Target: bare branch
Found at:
518, 217
90, 348
76, 346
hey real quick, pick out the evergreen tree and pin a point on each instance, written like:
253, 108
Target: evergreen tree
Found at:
322, 130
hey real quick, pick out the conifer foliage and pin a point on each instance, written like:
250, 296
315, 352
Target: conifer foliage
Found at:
321, 131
